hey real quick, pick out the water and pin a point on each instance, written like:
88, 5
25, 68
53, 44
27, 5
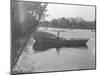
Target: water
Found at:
67, 59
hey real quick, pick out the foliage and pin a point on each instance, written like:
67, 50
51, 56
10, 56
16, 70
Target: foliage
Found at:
24, 18
72, 23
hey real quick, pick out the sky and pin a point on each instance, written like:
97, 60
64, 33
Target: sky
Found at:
61, 10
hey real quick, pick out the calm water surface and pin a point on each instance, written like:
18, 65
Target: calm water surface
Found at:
67, 59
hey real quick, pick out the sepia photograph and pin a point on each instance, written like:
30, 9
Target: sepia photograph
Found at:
52, 37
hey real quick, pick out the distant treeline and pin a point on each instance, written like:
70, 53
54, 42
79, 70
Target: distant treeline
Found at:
72, 23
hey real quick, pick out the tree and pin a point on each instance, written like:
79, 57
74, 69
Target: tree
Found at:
24, 17
62, 22
54, 23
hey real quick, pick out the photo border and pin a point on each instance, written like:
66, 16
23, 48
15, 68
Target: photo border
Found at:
51, 3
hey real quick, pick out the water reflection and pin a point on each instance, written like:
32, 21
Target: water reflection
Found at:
67, 59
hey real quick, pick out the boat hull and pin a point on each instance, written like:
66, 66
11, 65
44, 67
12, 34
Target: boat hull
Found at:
45, 41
